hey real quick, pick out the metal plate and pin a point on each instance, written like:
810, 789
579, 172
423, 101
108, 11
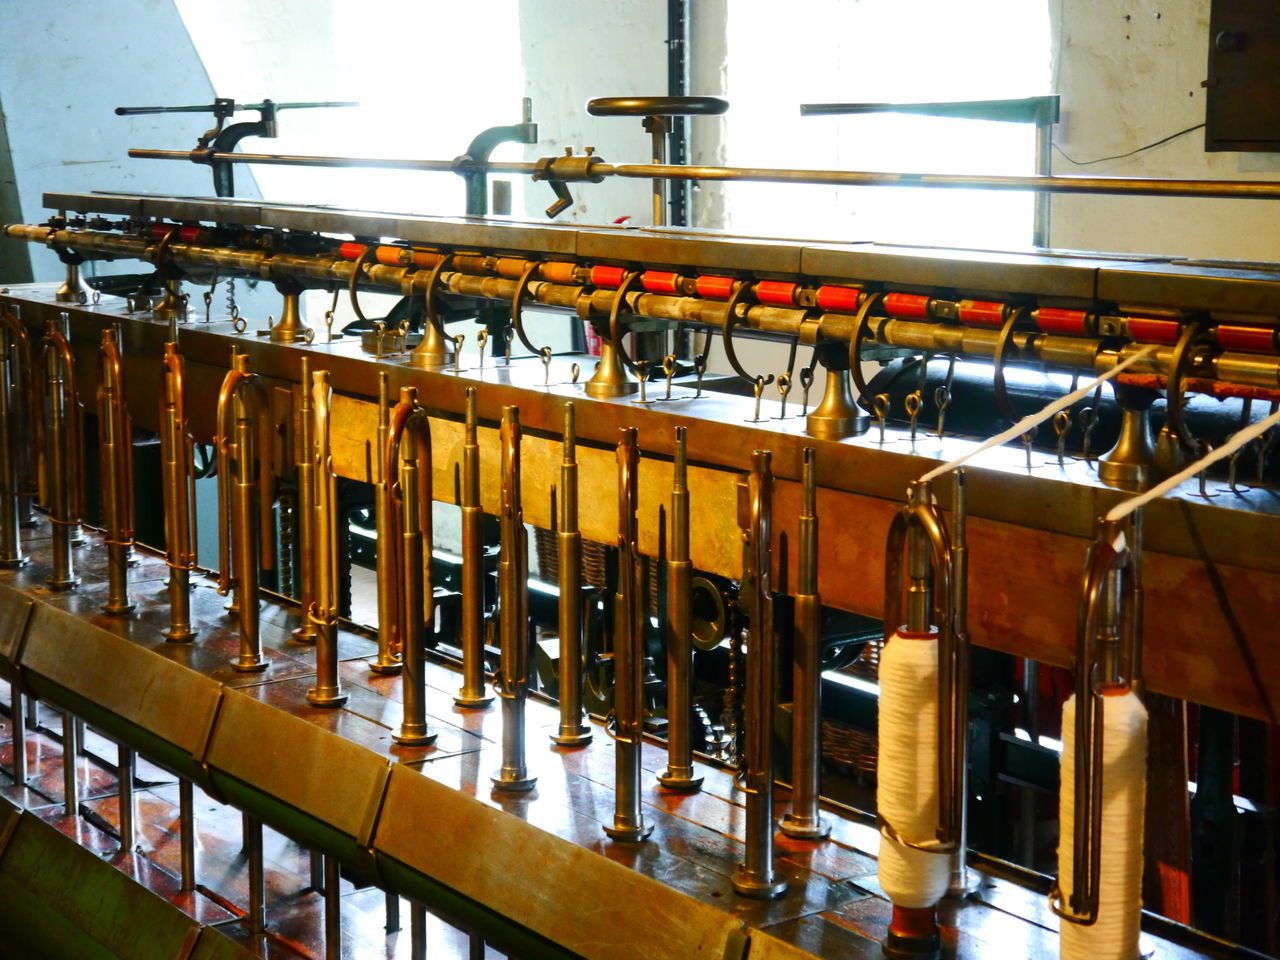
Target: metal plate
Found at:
116, 673
580, 900
1193, 286
1001, 273
125, 205
701, 250
308, 767
202, 209
492, 234
15, 609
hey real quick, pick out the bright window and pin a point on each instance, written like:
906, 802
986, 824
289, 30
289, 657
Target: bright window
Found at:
825, 51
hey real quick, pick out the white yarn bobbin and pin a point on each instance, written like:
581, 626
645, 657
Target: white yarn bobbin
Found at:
1124, 788
907, 772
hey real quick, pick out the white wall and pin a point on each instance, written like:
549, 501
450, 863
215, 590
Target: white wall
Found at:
574, 50
64, 67
1130, 74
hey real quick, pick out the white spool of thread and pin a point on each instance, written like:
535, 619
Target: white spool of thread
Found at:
907, 772
1124, 787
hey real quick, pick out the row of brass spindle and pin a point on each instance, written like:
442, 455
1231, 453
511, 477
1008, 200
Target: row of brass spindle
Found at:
244, 450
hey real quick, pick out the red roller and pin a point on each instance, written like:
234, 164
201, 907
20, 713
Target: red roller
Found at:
660, 281
1069, 323
908, 306
187, 234
558, 271
1149, 330
776, 293
839, 299
609, 277
716, 288
351, 251
392, 256
1250, 339
981, 313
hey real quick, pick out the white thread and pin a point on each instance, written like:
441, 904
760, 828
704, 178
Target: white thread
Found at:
1124, 786
907, 772
1238, 440
1027, 423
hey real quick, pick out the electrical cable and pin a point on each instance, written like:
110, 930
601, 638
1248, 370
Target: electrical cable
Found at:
1121, 156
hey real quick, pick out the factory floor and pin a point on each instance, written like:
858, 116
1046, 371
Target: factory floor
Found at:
295, 909
834, 906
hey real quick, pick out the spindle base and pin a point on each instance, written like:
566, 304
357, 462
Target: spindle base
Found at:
67, 584
389, 669
629, 832
304, 634
750, 884
680, 780
118, 608
12, 563
518, 783
469, 702
326, 697
179, 634
805, 828
571, 737
414, 735
913, 935
253, 663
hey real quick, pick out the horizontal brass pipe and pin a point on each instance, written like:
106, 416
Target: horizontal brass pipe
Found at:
1025, 346
1111, 186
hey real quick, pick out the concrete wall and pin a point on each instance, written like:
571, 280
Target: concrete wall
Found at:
1130, 74
64, 67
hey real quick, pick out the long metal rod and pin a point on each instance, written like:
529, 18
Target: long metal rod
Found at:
473, 694
323, 522
512, 683
572, 732
115, 449
408, 458
679, 774
177, 482
388, 659
804, 821
1123, 186
757, 876
70, 757
304, 511
17, 717
628, 652
11, 443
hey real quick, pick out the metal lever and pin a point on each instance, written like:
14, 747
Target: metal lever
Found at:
243, 443
757, 876
628, 652
804, 821
512, 683
572, 732
178, 479
408, 460
473, 693
325, 540
679, 774
115, 451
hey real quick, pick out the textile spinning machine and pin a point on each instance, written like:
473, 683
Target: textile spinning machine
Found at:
607, 654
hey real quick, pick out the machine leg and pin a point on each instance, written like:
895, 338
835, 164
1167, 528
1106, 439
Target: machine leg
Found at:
257, 876
17, 714
318, 875
332, 910
393, 912
417, 932
187, 833
70, 752
124, 767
